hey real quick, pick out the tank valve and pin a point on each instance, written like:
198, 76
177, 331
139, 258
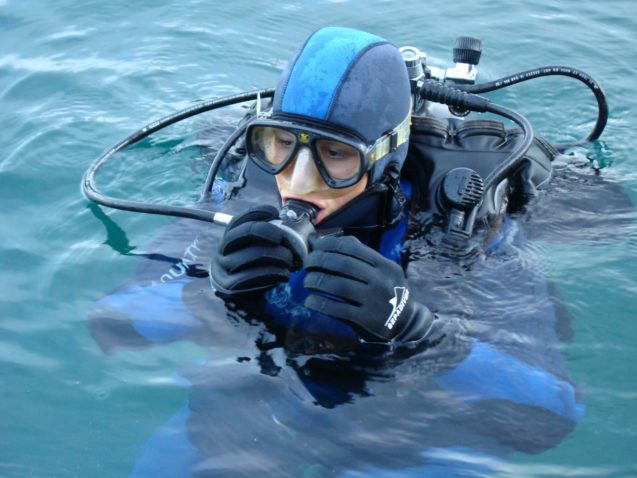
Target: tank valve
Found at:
415, 61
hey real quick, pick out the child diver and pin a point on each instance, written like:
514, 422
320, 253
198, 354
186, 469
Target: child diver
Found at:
437, 394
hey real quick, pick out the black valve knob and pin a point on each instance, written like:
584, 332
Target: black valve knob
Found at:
467, 50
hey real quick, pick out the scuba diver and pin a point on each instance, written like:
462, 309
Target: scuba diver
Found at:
336, 139
371, 299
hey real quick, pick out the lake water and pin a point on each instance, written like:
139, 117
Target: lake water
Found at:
76, 77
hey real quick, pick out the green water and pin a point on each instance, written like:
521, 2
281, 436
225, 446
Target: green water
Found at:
76, 77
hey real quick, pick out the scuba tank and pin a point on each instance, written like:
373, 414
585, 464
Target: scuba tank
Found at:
463, 170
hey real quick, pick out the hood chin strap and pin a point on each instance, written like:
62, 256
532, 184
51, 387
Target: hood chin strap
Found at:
382, 205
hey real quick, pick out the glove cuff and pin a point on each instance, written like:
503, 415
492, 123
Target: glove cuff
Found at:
417, 327
410, 340
233, 293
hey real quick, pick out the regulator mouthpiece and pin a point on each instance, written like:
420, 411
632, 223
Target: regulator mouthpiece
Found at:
296, 210
295, 218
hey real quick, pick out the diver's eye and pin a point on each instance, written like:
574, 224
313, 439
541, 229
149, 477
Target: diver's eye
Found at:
333, 150
341, 160
283, 139
334, 153
284, 142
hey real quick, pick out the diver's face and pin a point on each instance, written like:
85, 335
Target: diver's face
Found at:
301, 180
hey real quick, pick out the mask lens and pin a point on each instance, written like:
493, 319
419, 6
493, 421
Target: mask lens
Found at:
340, 160
271, 145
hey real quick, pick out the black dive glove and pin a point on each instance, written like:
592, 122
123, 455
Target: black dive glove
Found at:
253, 254
351, 282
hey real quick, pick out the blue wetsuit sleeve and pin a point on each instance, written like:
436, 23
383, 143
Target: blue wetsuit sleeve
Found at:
141, 315
519, 395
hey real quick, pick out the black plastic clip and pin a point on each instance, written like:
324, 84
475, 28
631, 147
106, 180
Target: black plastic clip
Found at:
393, 141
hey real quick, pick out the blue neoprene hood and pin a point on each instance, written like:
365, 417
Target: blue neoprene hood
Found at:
349, 80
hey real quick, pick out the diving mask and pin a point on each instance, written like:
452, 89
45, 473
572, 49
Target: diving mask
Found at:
341, 159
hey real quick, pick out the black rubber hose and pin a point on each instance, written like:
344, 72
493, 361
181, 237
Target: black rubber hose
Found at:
553, 70
216, 162
89, 187
508, 166
433, 90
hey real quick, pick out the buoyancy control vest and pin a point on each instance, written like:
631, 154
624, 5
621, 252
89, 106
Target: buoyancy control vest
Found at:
445, 155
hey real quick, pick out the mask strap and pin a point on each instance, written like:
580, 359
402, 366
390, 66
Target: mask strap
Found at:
392, 140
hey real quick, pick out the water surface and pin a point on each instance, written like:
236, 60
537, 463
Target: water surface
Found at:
76, 77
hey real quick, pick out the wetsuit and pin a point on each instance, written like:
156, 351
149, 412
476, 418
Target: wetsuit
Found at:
482, 385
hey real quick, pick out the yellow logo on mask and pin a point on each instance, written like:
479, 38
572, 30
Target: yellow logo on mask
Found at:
304, 137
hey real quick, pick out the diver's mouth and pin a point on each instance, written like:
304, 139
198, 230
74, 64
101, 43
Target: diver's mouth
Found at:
317, 204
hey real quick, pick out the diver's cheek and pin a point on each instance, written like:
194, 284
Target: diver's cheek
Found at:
340, 198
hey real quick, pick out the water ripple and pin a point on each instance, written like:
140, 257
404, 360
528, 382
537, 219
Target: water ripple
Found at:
17, 356
55, 63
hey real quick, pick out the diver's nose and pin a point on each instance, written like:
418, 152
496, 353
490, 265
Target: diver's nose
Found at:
305, 177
